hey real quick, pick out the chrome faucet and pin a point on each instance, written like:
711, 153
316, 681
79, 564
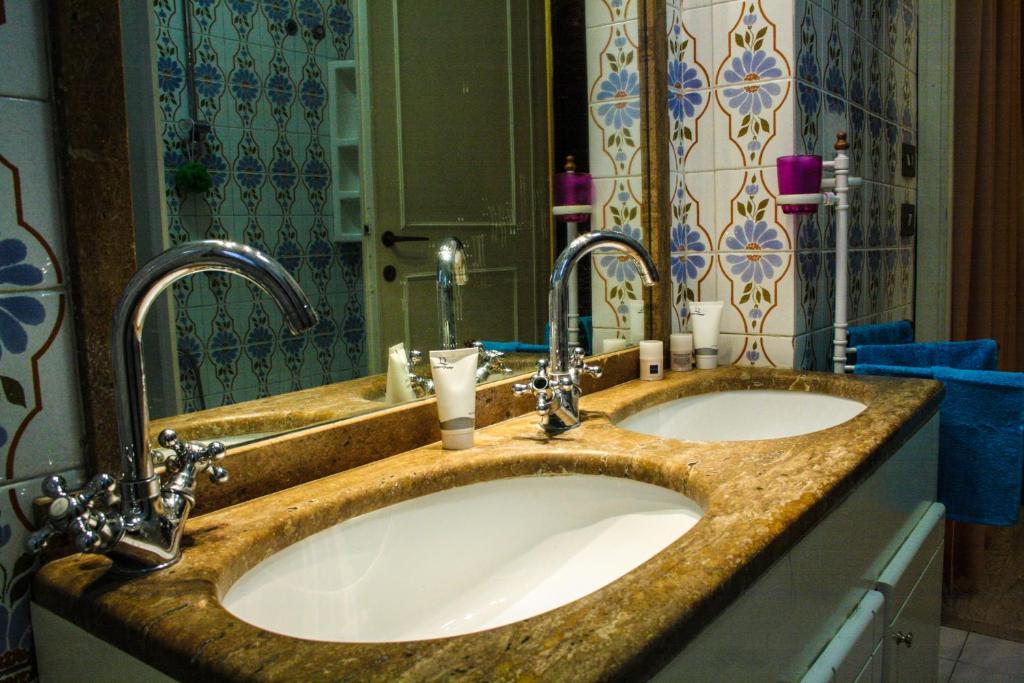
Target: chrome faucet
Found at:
556, 383
138, 520
451, 272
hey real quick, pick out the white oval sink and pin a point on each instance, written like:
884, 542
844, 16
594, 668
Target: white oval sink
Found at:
743, 415
461, 560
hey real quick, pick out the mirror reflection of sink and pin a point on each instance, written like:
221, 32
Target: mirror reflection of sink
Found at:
743, 415
462, 560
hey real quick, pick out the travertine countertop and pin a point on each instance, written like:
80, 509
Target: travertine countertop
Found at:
759, 498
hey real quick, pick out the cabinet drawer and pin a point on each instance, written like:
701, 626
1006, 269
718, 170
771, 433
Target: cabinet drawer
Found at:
903, 571
851, 649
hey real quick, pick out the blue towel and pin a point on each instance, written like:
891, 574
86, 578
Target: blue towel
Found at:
981, 433
980, 354
892, 371
899, 332
514, 347
981, 441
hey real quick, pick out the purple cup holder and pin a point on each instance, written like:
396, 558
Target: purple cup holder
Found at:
800, 174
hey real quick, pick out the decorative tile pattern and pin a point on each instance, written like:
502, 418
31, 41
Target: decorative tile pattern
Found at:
787, 76
40, 413
263, 93
616, 161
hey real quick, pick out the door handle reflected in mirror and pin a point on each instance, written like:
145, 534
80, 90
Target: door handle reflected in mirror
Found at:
390, 239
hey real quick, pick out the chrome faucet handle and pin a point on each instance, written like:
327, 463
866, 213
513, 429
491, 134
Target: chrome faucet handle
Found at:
489, 363
75, 514
540, 385
191, 458
580, 367
415, 358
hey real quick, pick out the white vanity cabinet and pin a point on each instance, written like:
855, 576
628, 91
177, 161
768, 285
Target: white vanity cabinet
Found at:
828, 608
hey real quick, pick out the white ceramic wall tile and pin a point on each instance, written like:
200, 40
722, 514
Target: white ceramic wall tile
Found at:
39, 431
615, 139
23, 44
751, 46
28, 183
753, 350
744, 200
700, 200
617, 204
612, 63
697, 29
601, 12
759, 290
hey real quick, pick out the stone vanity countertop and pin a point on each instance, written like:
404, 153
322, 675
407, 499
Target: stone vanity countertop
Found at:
759, 498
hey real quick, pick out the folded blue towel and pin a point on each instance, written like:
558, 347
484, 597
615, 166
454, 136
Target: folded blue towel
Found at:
514, 347
981, 441
899, 332
892, 371
979, 354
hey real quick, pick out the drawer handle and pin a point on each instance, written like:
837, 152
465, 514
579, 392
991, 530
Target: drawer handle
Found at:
903, 637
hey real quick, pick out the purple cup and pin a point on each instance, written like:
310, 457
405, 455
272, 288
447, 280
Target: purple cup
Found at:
572, 189
800, 174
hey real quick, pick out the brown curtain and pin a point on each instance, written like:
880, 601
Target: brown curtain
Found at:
988, 177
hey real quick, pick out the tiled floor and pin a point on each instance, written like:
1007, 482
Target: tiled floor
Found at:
973, 658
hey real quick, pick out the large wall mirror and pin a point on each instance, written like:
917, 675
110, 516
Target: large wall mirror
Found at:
356, 141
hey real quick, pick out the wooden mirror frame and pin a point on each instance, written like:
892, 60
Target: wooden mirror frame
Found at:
94, 163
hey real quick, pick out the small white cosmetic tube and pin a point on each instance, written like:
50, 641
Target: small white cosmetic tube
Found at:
399, 388
705, 317
454, 373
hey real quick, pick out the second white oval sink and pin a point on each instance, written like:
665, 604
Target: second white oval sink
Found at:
462, 560
743, 415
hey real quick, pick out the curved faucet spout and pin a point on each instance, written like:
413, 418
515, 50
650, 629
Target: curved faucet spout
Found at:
153, 278
558, 297
452, 271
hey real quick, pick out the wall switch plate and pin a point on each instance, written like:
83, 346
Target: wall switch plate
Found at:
908, 220
909, 160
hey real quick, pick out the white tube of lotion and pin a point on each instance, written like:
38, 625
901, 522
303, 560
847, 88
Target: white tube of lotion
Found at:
705, 317
399, 388
454, 373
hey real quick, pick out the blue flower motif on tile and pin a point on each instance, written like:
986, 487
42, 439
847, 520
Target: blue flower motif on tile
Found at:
752, 99
756, 268
260, 343
620, 115
12, 269
289, 255
276, 10
15, 313
280, 90
313, 94
209, 81
283, 173
752, 66
753, 236
169, 74
807, 61
245, 85
340, 19
242, 7
316, 174
835, 81
249, 172
618, 85
310, 13
217, 166
683, 81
